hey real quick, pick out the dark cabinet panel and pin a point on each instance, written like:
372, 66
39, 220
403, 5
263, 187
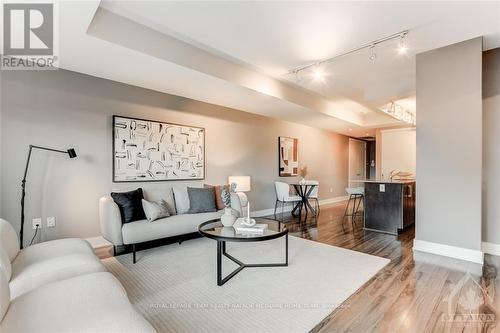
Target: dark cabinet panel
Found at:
389, 206
409, 191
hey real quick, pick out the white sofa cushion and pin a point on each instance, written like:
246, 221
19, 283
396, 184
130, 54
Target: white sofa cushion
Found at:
31, 272
88, 303
54, 248
8, 239
4, 295
142, 231
5, 264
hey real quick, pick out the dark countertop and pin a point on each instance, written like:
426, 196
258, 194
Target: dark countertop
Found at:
384, 181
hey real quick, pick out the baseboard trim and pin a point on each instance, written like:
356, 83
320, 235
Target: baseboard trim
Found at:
455, 252
333, 200
491, 248
288, 207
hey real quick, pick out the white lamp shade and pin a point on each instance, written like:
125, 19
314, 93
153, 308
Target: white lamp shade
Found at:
242, 183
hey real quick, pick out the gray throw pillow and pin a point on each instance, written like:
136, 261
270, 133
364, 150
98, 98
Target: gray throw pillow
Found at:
155, 210
201, 200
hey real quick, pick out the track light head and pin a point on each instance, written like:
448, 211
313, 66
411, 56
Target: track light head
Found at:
402, 47
373, 55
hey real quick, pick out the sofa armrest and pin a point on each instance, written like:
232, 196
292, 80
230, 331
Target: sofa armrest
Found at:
110, 220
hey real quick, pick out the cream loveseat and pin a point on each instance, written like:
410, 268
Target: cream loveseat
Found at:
60, 286
141, 231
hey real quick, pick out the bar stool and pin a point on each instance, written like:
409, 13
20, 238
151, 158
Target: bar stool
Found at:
356, 195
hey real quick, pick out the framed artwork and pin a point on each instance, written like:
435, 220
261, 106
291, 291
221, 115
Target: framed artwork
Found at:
147, 150
288, 156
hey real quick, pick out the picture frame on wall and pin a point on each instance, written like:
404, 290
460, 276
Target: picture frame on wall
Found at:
148, 150
288, 156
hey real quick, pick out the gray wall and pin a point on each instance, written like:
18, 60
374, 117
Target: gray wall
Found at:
63, 109
449, 145
491, 150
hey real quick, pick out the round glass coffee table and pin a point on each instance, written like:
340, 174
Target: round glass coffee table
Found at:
215, 230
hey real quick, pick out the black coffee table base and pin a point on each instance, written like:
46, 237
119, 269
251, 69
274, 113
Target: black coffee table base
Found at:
221, 251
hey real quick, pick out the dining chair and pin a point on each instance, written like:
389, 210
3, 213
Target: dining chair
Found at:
314, 194
283, 196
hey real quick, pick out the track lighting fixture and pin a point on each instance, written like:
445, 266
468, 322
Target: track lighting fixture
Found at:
399, 112
318, 72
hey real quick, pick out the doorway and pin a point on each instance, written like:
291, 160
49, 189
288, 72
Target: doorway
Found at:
357, 162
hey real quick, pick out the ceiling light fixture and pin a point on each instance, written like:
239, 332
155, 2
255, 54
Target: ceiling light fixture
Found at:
402, 47
371, 45
400, 113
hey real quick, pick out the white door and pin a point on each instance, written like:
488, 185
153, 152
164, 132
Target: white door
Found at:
357, 162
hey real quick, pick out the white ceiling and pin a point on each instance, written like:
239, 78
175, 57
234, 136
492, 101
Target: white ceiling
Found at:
242, 50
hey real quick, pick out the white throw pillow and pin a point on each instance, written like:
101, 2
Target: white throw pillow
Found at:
181, 199
155, 210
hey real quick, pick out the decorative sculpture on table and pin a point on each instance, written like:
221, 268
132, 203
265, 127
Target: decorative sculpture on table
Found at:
242, 184
229, 216
303, 174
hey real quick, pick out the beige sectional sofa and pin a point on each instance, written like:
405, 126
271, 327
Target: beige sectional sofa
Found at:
60, 286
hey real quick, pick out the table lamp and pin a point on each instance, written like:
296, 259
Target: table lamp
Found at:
243, 184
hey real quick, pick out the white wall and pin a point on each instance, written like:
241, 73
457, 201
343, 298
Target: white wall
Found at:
449, 145
63, 109
491, 146
397, 151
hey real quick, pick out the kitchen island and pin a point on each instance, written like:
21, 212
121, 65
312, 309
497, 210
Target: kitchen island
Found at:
389, 206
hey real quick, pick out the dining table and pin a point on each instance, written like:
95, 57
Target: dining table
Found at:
304, 192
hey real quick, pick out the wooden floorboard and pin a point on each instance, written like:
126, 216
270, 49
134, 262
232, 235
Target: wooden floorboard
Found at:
407, 295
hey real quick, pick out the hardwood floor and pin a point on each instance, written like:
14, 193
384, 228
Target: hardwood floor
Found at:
432, 295
408, 295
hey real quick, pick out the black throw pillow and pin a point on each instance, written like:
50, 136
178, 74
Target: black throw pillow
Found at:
201, 200
130, 204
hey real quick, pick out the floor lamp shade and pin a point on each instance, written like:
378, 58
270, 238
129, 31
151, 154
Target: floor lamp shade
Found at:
71, 153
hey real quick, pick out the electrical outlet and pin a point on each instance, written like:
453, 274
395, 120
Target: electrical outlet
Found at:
51, 221
331, 189
37, 221
382, 187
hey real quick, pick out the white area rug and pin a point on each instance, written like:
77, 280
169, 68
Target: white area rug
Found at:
175, 286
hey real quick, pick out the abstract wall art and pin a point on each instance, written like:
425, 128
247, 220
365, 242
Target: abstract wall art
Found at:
146, 150
288, 156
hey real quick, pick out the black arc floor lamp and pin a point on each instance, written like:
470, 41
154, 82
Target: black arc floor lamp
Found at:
72, 154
